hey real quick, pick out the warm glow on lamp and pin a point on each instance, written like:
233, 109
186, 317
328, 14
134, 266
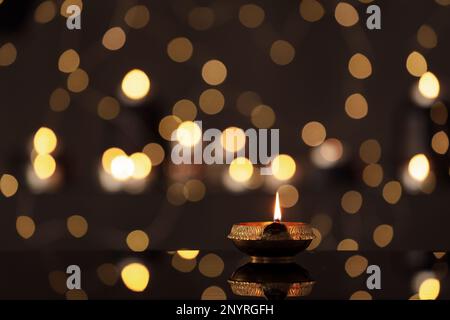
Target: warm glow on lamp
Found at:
277, 211
419, 167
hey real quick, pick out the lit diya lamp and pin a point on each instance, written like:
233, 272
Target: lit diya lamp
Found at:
272, 241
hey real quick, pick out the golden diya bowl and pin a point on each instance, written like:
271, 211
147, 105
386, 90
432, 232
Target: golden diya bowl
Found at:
272, 281
271, 241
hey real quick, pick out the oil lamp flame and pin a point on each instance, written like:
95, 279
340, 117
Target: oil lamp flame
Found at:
277, 211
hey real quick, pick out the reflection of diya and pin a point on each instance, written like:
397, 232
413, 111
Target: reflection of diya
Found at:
273, 281
272, 241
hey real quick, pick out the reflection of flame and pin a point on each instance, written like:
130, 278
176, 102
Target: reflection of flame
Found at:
277, 211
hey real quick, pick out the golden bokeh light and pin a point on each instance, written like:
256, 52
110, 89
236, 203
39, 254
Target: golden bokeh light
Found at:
211, 101
370, 151
122, 167
57, 280
68, 3
135, 84
429, 184
213, 293
59, 100
44, 166
348, 245
373, 175
233, 139
183, 265
25, 226
416, 64
440, 142
356, 106
77, 81
211, 265
44, 141
346, 15
240, 169
137, 17
114, 38
322, 222
351, 201
168, 125
429, 85
194, 190
283, 167
439, 113
109, 155
180, 49
188, 133
314, 133
359, 66
419, 167
361, 295
328, 154
392, 192
288, 195
8, 54
175, 194
429, 289
68, 61
282, 52
108, 108
263, 117
77, 226
443, 2
8, 185
214, 72
311, 10
188, 254
45, 12
427, 37
137, 240
201, 18
247, 101
76, 294
356, 265
383, 235
155, 152
251, 15
142, 165
108, 274
135, 276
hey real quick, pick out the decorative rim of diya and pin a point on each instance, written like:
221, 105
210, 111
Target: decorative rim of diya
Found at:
255, 231
255, 289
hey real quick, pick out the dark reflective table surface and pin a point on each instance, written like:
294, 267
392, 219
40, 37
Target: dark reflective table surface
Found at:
224, 275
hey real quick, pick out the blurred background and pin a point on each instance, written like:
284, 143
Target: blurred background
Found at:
86, 118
